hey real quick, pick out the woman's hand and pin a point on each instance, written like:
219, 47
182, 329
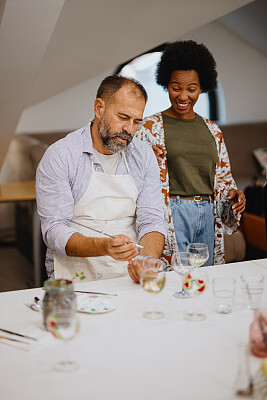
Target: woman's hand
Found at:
240, 202
160, 152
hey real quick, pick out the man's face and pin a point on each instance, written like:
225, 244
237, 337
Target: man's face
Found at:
116, 141
121, 119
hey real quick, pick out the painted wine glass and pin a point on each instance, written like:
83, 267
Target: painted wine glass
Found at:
152, 280
199, 253
182, 265
64, 325
195, 284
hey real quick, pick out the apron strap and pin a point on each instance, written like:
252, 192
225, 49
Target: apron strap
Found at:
126, 164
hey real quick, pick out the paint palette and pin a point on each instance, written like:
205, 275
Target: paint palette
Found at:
94, 304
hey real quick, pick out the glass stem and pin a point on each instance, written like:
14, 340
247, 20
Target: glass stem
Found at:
151, 302
66, 350
194, 305
183, 278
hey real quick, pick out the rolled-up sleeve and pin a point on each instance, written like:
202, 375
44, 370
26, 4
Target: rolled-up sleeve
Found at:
54, 199
149, 209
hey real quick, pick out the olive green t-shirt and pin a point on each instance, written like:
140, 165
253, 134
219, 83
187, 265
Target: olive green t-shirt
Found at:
191, 156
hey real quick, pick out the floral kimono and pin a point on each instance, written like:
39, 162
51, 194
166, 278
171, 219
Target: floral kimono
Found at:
151, 131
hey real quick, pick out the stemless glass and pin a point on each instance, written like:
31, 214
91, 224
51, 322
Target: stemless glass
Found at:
152, 280
182, 265
199, 253
195, 285
63, 325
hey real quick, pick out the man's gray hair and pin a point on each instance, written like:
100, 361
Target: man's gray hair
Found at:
111, 84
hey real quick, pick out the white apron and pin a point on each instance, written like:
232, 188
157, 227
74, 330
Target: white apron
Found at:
109, 204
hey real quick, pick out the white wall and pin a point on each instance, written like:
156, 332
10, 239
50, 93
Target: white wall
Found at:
69, 110
242, 72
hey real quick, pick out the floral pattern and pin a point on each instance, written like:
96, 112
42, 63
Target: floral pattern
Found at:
151, 131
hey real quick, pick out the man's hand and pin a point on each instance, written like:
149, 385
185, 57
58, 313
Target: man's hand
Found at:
240, 201
121, 248
135, 269
160, 152
153, 243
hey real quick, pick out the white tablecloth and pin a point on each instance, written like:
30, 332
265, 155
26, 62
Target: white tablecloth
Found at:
125, 356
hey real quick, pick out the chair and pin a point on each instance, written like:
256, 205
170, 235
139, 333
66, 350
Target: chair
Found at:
265, 206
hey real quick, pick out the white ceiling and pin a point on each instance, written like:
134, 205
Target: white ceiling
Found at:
250, 23
47, 47
92, 37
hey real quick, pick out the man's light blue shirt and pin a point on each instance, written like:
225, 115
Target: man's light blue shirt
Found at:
63, 176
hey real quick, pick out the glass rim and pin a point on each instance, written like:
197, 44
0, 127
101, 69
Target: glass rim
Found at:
58, 285
223, 278
200, 245
254, 277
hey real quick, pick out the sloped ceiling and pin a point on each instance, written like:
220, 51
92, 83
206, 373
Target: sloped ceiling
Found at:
250, 23
25, 32
49, 46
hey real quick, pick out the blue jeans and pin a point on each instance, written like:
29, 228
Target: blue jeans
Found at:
193, 223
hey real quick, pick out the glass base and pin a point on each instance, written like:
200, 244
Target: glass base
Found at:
65, 366
224, 308
153, 315
190, 316
182, 295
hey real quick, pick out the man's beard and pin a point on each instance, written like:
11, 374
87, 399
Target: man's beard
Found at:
109, 139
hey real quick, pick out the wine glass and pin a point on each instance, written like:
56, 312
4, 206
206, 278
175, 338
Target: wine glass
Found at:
195, 285
63, 324
182, 265
199, 253
152, 280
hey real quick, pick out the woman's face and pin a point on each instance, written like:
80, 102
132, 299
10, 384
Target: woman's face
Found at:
184, 90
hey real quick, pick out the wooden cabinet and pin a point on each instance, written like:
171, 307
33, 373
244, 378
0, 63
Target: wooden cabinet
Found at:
254, 230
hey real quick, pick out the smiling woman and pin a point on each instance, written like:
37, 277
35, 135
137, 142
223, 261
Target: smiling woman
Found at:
196, 178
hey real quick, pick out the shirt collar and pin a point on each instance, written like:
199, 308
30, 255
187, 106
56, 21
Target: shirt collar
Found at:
87, 139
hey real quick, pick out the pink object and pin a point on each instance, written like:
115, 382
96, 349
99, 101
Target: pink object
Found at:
258, 334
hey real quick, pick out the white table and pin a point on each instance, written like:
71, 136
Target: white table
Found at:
124, 356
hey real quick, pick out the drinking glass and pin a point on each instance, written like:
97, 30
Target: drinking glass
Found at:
199, 253
223, 289
182, 266
252, 288
152, 280
63, 325
195, 285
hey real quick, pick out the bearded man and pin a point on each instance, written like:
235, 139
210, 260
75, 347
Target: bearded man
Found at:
98, 191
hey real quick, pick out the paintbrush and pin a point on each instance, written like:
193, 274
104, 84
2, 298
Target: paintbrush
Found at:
104, 233
17, 334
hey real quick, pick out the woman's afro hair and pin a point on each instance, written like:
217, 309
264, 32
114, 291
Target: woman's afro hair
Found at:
187, 55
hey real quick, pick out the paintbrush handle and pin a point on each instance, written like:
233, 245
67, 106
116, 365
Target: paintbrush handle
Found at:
104, 233
105, 294
17, 334
13, 340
